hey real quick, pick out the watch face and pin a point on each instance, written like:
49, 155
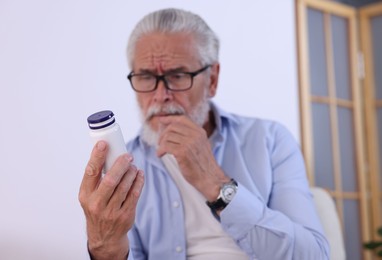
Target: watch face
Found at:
228, 193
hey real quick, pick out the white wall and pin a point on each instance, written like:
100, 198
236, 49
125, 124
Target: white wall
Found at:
62, 60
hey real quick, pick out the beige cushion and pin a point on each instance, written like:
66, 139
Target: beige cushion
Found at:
329, 219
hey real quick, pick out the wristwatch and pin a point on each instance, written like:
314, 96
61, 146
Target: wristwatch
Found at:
227, 192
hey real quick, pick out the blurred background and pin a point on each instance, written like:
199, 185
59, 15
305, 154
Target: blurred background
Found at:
340, 91
313, 65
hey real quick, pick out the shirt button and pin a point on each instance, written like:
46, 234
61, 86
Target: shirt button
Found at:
175, 204
178, 249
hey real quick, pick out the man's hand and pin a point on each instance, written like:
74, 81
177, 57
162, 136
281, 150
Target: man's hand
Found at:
190, 145
109, 203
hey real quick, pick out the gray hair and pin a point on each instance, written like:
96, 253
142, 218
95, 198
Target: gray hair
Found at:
177, 21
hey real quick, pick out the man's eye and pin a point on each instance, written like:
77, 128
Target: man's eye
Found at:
144, 77
176, 76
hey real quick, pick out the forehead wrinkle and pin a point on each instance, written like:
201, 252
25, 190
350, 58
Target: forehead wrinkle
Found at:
162, 61
163, 54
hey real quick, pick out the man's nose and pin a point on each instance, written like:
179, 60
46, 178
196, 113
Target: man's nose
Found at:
162, 93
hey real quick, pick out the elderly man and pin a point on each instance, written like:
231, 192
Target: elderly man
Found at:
216, 185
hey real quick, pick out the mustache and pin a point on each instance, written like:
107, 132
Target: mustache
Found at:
169, 109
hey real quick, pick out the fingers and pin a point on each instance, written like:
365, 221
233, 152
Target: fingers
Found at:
113, 178
178, 122
102, 199
134, 193
166, 146
182, 125
179, 131
172, 134
93, 169
120, 193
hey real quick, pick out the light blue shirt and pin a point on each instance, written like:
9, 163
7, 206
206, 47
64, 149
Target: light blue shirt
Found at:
272, 215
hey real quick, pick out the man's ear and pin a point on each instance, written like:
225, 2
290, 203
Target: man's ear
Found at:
214, 78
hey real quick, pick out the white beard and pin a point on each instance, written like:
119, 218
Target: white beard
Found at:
199, 115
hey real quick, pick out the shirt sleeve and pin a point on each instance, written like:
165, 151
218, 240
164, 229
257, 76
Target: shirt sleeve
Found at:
285, 225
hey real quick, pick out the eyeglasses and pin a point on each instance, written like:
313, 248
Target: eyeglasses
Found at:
174, 81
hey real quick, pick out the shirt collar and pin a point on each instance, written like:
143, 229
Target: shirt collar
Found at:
222, 118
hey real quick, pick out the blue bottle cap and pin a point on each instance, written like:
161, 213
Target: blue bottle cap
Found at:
101, 119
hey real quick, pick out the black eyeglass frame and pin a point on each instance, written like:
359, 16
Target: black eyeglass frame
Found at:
163, 78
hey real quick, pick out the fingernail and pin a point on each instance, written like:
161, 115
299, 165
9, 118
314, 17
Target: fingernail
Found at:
101, 146
128, 157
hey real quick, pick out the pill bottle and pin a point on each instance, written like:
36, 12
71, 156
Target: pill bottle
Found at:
104, 127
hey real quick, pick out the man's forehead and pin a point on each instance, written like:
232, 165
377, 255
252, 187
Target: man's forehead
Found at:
163, 69
165, 52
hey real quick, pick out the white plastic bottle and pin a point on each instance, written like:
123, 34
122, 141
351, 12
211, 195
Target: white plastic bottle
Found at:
103, 127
